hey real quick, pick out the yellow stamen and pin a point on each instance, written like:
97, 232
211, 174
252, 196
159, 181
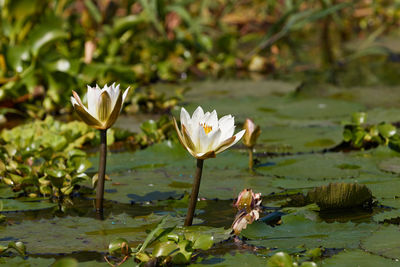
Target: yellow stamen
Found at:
206, 128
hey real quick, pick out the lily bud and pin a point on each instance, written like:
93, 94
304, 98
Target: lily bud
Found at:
104, 106
253, 131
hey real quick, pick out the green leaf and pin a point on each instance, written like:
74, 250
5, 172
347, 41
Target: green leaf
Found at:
384, 242
114, 248
152, 234
43, 34
203, 242
126, 23
163, 249
93, 10
10, 205
296, 230
65, 262
387, 130
359, 118
361, 258
56, 173
16, 55
184, 254
280, 259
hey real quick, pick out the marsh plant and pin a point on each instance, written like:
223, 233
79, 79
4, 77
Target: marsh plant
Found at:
104, 106
204, 136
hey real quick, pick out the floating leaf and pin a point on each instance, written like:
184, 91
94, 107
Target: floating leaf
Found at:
297, 230
384, 242
359, 257
388, 216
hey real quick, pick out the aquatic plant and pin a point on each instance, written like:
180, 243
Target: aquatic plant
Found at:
170, 246
42, 157
204, 136
104, 106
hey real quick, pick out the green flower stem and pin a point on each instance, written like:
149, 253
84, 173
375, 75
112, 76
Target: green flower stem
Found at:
251, 161
102, 173
195, 193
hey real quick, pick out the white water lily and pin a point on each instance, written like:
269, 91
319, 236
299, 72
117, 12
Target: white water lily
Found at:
204, 136
104, 105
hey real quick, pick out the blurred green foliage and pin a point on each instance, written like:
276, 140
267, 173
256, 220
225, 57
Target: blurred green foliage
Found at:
50, 47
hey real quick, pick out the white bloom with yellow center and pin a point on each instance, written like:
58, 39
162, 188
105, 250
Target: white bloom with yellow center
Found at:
104, 105
204, 136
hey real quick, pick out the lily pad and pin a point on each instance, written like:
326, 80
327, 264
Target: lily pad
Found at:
390, 165
319, 167
154, 173
227, 260
384, 242
28, 262
387, 216
296, 230
16, 205
298, 139
359, 257
81, 233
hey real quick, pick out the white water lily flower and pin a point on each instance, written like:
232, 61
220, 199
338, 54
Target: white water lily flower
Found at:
204, 136
104, 105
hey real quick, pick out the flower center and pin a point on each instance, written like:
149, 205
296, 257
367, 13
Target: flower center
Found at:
206, 128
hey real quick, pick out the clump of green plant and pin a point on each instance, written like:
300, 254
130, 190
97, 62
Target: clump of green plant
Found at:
17, 247
359, 135
155, 131
42, 157
170, 246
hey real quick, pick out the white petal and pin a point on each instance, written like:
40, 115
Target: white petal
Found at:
227, 126
226, 122
197, 116
113, 92
212, 120
238, 136
73, 101
185, 119
214, 138
202, 140
125, 93
93, 95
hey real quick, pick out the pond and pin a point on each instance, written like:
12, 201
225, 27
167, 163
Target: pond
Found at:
300, 126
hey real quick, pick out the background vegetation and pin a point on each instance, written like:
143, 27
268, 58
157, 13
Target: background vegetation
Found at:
50, 47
